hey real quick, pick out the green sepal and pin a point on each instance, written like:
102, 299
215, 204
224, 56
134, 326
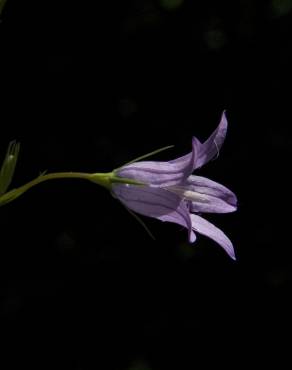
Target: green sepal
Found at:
146, 156
107, 179
141, 222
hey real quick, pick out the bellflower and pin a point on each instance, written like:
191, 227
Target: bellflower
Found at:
168, 191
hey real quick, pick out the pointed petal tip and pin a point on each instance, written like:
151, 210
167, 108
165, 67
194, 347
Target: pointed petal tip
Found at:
230, 251
223, 117
227, 246
204, 227
210, 148
231, 208
232, 200
223, 124
192, 236
196, 145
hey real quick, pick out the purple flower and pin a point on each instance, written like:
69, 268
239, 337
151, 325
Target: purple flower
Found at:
171, 193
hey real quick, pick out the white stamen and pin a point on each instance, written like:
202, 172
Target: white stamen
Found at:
188, 194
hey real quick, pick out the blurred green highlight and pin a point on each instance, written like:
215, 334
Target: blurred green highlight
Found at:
2, 4
139, 365
281, 7
215, 38
171, 4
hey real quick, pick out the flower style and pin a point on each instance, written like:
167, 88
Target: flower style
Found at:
171, 193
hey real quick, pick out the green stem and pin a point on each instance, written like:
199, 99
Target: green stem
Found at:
102, 179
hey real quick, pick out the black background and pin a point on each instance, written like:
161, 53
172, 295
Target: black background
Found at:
87, 86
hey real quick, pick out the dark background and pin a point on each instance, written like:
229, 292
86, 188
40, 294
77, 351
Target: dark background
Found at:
89, 85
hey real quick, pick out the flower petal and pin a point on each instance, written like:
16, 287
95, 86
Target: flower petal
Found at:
208, 187
176, 171
200, 201
155, 202
210, 148
204, 227
160, 173
212, 205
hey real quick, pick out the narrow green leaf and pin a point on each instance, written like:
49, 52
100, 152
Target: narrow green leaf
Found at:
141, 222
8, 166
